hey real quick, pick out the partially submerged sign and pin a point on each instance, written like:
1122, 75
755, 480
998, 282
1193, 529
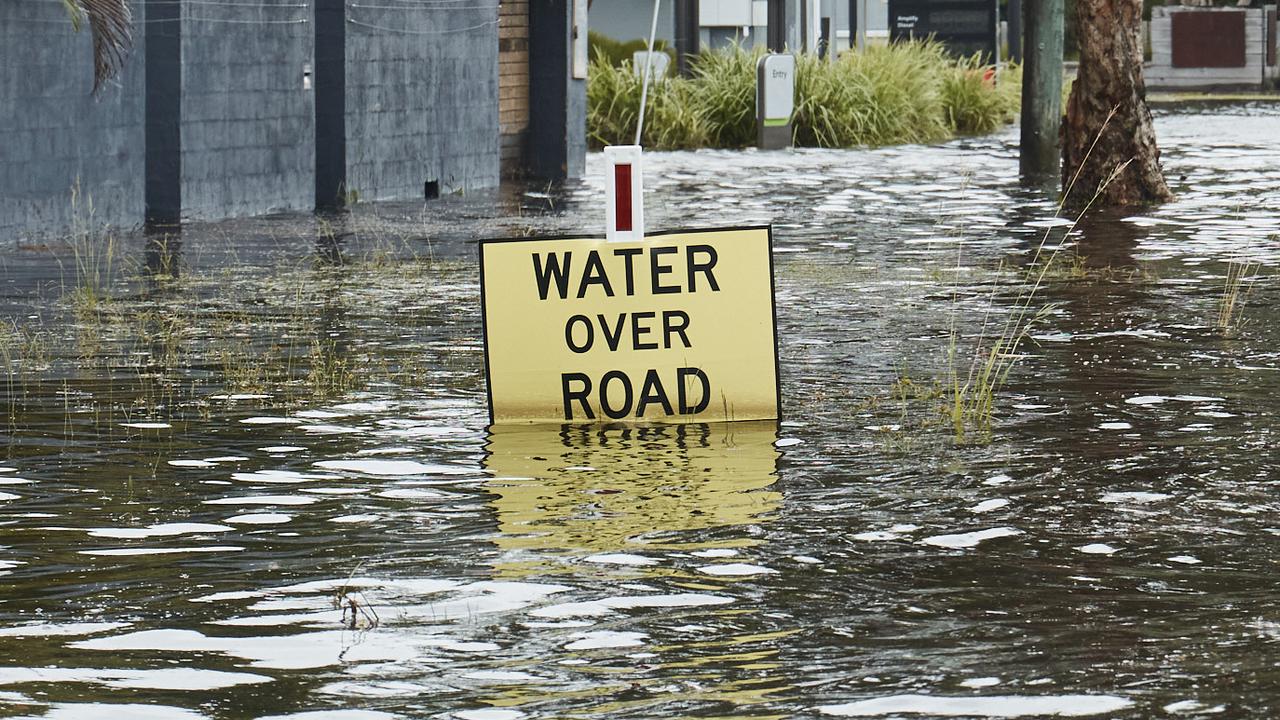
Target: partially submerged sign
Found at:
775, 100
676, 327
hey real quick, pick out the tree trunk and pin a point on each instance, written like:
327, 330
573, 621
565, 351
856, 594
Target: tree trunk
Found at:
1108, 141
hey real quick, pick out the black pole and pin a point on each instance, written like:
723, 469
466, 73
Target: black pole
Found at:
853, 24
777, 19
1015, 31
687, 26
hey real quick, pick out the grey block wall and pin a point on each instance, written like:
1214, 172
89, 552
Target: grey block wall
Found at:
421, 98
53, 133
248, 124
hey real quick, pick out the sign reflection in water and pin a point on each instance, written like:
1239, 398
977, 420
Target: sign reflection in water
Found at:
564, 494
596, 489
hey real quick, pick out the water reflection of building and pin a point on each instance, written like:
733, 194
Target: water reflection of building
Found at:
585, 489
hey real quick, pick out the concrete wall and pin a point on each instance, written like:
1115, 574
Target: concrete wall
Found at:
215, 114
53, 133
422, 98
247, 122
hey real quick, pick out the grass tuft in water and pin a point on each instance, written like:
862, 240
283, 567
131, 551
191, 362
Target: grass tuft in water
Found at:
1240, 279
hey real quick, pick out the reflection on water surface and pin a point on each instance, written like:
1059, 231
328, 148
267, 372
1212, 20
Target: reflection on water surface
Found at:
257, 483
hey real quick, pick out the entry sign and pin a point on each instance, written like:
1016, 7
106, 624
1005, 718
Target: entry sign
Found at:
677, 327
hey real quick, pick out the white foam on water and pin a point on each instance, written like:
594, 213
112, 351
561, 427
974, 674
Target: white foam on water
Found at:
319, 414
15, 481
1051, 222
1115, 426
59, 629
394, 467
160, 530
259, 519
270, 420
592, 608
988, 505
120, 552
162, 679
620, 559
1138, 497
715, 553
1185, 559
982, 682
600, 639
806, 560
336, 490
997, 480
489, 714
1098, 549
191, 463
281, 449
1146, 400
788, 442
9, 496
240, 396
284, 477
969, 539
147, 425
989, 706
263, 500
736, 570
1186, 707
287, 652
335, 715
1198, 398
97, 711
226, 458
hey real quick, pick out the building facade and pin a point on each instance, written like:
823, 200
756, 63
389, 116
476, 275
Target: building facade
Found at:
233, 109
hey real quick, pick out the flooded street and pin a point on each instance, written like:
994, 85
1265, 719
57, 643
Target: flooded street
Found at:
248, 472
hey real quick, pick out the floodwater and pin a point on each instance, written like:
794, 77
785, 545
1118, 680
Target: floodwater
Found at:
257, 481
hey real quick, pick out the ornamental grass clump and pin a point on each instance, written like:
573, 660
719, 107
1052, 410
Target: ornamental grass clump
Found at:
911, 92
883, 95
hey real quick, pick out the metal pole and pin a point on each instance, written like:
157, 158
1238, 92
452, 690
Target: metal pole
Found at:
648, 68
687, 27
777, 19
1042, 89
1015, 31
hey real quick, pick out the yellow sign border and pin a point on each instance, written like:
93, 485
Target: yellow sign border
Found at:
773, 307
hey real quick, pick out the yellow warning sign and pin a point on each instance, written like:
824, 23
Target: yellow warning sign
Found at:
678, 327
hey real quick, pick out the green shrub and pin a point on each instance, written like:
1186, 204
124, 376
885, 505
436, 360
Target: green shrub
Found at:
883, 95
902, 93
616, 52
976, 103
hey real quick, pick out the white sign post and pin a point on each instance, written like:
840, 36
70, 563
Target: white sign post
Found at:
624, 194
775, 100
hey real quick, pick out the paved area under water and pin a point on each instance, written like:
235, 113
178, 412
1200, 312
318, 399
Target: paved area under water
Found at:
257, 480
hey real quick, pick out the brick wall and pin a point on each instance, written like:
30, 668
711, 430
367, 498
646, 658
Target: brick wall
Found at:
513, 79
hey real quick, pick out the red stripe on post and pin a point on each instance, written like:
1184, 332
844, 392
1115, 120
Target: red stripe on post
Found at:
622, 198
